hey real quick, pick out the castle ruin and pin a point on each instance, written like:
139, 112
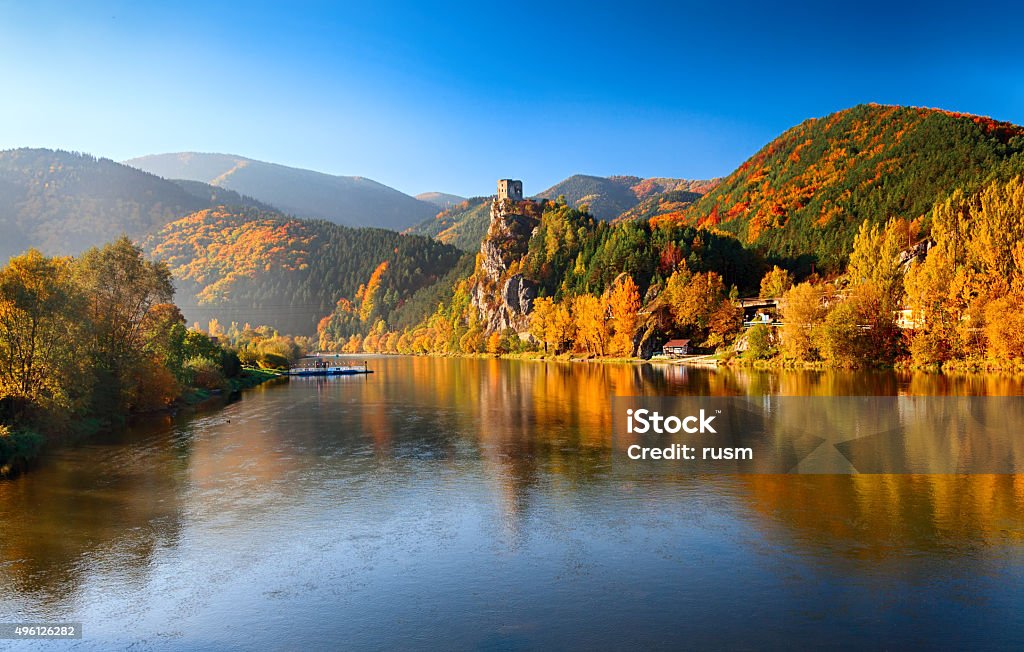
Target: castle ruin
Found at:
510, 189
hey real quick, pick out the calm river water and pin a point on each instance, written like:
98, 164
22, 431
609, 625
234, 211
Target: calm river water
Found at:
473, 504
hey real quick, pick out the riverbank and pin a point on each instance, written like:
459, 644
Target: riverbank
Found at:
250, 377
20, 448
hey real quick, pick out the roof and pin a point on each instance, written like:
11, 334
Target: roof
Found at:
677, 343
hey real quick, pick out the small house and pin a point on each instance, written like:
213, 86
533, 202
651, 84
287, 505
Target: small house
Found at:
676, 347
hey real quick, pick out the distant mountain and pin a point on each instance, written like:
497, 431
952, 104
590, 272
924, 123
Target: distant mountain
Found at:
805, 194
440, 199
351, 201
463, 225
216, 196
64, 202
610, 197
262, 267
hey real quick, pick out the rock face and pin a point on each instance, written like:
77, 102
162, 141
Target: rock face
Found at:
504, 298
645, 342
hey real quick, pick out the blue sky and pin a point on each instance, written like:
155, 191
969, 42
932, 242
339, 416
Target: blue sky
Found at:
453, 96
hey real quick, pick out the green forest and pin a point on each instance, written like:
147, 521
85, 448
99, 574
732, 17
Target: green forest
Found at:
261, 267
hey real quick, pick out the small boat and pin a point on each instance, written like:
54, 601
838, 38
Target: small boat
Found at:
315, 366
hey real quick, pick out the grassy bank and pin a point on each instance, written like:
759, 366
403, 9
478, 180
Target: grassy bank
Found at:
253, 376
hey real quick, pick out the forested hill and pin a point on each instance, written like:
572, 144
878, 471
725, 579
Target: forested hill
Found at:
807, 192
463, 225
262, 267
217, 196
609, 197
64, 202
352, 201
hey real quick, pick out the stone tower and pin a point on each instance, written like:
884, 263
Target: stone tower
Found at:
510, 189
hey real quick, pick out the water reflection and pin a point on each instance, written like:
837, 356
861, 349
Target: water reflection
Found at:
482, 478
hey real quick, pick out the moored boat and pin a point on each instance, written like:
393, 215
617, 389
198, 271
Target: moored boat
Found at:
318, 366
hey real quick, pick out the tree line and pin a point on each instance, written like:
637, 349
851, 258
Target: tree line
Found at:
86, 341
946, 290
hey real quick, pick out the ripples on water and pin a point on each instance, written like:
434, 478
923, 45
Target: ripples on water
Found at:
472, 503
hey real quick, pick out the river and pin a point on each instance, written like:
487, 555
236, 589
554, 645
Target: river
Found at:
472, 503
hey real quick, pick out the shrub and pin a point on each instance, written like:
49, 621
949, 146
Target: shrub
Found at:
272, 361
17, 449
759, 342
205, 373
155, 387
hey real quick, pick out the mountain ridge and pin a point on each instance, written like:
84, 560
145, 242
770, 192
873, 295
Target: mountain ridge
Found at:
805, 193
347, 200
610, 197
63, 202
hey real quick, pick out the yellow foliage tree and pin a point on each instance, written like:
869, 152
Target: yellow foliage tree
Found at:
588, 314
551, 323
368, 294
40, 329
495, 344
624, 303
775, 283
802, 310
1004, 328
875, 258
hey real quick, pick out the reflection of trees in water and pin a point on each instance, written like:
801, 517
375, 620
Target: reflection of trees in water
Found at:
535, 422
536, 427
875, 517
107, 505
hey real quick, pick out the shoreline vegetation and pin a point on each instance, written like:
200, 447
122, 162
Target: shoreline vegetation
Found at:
941, 292
88, 342
877, 237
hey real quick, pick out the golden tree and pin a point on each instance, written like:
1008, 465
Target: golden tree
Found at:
588, 315
775, 283
624, 303
802, 310
41, 331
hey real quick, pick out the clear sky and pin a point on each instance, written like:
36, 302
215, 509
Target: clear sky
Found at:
452, 96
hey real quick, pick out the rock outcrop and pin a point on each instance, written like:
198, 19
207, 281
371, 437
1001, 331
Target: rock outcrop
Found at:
503, 296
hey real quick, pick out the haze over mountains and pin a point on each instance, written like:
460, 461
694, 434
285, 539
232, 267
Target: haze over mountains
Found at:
440, 199
64, 202
351, 201
798, 201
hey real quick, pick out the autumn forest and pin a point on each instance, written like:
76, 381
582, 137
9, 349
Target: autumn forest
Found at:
876, 236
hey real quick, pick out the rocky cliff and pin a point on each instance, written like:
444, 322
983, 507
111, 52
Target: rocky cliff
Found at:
500, 293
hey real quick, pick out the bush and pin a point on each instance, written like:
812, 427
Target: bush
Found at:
759, 342
205, 373
272, 361
17, 449
230, 364
155, 387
